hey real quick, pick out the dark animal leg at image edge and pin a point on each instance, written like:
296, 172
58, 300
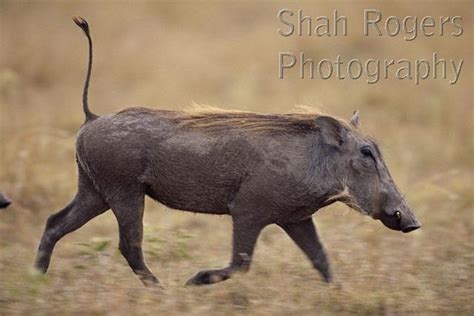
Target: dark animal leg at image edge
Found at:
85, 206
129, 215
244, 239
304, 234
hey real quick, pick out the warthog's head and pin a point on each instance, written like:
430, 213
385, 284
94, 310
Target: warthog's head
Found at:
367, 185
4, 201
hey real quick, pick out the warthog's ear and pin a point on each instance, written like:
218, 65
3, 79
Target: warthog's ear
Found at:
355, 119
332, 131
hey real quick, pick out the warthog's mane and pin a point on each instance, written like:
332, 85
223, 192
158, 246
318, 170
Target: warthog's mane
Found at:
215, 119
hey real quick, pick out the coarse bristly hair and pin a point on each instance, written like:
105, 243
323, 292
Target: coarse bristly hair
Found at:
210, 118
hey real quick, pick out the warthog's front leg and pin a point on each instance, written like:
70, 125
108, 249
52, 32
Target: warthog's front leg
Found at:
244, 237
305, 236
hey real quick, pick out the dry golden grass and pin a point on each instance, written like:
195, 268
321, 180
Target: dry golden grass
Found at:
167, 55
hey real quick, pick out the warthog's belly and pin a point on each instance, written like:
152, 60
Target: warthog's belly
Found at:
199, 172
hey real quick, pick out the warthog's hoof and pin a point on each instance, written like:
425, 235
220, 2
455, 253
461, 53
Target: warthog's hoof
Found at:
209, 277
327, 279
153, 284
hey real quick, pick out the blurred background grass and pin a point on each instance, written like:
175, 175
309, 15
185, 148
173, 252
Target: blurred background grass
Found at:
168, 55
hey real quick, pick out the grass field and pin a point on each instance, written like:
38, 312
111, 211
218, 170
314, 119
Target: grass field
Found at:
166, 55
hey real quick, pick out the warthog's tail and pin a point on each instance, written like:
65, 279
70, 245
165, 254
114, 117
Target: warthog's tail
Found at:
85, 27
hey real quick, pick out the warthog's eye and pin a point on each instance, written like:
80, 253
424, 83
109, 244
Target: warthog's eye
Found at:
366, 151
398, 215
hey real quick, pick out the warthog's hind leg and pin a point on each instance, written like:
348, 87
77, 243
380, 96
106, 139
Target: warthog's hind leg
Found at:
244, 237
87, 204
129, 214
305, 236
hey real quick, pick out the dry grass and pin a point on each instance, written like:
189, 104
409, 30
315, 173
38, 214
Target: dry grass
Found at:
169, 55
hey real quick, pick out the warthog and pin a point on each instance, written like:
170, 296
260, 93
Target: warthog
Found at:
259, 169
4, 201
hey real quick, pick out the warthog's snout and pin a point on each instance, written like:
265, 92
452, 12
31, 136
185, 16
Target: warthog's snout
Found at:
401, 219
411, 225
408, 221
4, 201
5, 204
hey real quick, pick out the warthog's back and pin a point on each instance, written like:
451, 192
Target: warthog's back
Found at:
193, 162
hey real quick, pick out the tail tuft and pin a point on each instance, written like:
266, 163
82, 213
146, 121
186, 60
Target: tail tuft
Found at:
81, 23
